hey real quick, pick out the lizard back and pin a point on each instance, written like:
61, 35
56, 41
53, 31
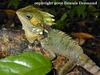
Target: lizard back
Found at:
60, 43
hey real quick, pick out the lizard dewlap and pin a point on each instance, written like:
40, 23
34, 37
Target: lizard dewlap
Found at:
56, 42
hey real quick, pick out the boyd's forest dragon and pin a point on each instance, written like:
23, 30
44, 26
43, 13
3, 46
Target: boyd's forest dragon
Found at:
54, 41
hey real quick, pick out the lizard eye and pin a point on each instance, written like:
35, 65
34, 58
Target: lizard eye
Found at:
28, 16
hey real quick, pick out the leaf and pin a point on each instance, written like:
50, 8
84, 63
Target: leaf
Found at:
64, 16
82, 35
14, 3
28, 63
9, 12
78, 10
61, 22
94, 11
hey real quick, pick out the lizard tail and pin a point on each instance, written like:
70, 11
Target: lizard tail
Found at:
89, 65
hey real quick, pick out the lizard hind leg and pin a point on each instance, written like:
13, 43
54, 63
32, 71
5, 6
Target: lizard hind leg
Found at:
67, 67
63, 65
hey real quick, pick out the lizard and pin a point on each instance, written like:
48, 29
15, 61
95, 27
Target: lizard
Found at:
56, 42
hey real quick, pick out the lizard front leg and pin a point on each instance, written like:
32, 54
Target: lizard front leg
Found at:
36, 46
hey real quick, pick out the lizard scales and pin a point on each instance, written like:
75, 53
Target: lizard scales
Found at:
60, 43
56, 42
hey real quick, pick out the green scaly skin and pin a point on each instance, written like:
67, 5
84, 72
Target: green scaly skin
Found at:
56, 42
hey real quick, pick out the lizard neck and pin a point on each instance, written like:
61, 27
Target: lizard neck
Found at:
47, 30
32, 33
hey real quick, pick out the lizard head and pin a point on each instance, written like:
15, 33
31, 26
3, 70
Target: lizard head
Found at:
36, 17
33, 21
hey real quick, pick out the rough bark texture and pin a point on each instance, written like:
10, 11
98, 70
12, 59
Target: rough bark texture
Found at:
12, 42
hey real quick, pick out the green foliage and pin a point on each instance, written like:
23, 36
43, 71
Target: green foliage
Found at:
75, 13
13, 3
27, 63
61, 22
68, 14
78, 10
94, 12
